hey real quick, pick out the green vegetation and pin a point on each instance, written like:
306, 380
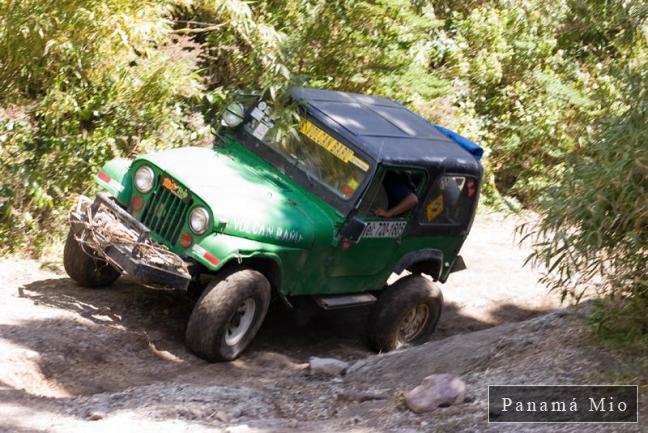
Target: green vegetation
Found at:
556, 92
84, 82
594, 231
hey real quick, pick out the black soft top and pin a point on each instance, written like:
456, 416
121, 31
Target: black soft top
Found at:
386, 130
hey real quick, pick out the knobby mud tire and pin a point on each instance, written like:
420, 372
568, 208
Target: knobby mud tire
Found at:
394, 304
85, 267
206, 330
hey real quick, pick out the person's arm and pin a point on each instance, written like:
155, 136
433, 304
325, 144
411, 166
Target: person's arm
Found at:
405, 204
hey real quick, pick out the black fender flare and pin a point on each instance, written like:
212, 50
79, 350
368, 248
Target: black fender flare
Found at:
428, 261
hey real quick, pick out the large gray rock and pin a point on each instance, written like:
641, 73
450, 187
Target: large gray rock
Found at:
329, 366
460, 355
436, 390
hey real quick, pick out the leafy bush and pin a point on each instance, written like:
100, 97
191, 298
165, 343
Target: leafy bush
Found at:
532, 102
594, 229
86, 81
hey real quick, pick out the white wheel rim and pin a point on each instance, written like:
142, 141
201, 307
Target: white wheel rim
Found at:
413, 323
240, 322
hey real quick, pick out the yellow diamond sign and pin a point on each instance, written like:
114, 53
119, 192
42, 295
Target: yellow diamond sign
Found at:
434, 208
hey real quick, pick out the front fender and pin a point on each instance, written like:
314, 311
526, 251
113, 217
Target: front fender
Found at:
217, 249
115, 178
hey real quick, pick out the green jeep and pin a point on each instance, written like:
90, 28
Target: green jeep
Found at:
251, 219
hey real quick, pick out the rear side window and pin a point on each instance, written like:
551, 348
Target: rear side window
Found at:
449, 201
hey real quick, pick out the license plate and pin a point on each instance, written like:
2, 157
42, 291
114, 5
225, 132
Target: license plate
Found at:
384, 229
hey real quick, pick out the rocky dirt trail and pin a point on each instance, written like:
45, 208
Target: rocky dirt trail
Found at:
79, 360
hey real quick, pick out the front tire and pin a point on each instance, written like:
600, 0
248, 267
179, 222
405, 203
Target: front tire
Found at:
85, 267
406, 313
228, 315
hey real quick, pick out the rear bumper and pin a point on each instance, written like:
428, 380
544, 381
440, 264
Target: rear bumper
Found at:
129, 259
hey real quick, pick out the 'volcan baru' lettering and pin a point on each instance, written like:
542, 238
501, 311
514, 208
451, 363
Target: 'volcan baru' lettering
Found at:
289, 235
278, 233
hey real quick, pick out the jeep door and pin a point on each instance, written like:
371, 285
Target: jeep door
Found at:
366, 264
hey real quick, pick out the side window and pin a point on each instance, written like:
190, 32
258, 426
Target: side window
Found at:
449, 201
389, 189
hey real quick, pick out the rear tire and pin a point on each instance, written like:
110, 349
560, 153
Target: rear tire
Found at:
85, 267
228, 315
406, 313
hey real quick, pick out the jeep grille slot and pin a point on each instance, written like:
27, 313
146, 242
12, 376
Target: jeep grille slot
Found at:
165, 214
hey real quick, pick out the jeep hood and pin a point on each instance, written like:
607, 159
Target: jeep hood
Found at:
254, 201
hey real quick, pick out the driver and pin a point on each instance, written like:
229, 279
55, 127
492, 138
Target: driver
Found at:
401, 195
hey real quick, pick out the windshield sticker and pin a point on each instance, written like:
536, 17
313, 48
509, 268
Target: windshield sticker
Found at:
257, 114
326, 141
261, 130
434, 208
384, 229
359, 163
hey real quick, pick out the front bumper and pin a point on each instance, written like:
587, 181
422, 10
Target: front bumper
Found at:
128, 257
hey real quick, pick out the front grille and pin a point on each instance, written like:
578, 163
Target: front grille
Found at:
165, 214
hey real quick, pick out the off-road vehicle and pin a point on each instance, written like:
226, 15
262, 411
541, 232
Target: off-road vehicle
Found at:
254, 218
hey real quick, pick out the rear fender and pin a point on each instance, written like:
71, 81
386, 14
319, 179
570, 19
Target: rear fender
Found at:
428, 261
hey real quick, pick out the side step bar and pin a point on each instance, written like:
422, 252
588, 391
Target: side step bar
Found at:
344, 301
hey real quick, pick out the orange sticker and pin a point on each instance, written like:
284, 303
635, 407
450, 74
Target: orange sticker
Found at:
168, 183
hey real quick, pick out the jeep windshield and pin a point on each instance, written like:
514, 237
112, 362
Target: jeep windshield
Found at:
320, 156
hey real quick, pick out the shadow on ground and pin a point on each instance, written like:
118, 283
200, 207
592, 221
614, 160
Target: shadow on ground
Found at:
131, 335
455, 321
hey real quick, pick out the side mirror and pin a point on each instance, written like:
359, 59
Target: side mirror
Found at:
353, 229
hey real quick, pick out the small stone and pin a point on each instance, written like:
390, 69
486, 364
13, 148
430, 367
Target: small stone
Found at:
362, 396
436, 390
221, 416
31, 355
96, 415
329, 366
188, 413
238, 412
353, 420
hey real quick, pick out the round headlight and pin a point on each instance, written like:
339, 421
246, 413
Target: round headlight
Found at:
199, 220
144, 178
233, 114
